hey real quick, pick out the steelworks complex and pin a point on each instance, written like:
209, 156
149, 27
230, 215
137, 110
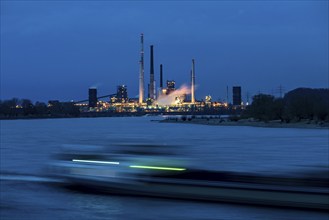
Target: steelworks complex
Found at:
163, 99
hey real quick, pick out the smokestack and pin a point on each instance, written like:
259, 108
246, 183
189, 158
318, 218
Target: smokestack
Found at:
148, 89
141, 72
161, 82
192, 83
227, 94
152, 83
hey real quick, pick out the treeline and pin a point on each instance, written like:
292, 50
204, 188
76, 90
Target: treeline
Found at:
24, 108
297, 105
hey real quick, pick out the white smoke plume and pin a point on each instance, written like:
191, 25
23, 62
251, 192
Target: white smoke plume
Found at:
173, 96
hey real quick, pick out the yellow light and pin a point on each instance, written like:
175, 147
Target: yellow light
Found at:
158, 168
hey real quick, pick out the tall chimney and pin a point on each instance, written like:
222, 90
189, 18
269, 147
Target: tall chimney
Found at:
152, 82
141, 72
161, 82
227, 94
192, 83
148, 89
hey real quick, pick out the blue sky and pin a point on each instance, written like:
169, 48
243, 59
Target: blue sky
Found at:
58, 49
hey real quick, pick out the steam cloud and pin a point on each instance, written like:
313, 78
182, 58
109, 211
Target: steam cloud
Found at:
171, 98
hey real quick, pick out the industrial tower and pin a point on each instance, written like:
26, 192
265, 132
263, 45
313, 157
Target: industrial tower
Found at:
152, 82
192, 83
141, 72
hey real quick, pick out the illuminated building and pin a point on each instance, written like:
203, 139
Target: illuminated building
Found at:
122, 95
92, 97
237, 95
208, 99
149, 101
170, 86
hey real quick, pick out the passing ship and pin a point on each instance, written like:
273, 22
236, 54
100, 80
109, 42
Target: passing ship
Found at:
156, 174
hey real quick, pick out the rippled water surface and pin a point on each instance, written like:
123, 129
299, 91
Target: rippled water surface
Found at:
28, 145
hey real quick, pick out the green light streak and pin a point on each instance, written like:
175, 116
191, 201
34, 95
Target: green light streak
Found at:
158, 168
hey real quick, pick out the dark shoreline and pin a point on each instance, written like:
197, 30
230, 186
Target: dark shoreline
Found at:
82, 115
271, 124
108, 114
214, 120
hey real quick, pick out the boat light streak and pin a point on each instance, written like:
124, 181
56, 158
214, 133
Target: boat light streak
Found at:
158, 168
95, 161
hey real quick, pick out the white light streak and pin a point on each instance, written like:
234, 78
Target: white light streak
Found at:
95, 161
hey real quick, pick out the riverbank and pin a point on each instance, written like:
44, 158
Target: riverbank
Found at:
246, 122
80, 115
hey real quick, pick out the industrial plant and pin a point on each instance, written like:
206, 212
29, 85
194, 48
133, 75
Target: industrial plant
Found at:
166, 98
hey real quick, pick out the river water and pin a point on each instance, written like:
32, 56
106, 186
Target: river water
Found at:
27, 147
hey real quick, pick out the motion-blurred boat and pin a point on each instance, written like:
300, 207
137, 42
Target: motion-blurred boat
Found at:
153, 173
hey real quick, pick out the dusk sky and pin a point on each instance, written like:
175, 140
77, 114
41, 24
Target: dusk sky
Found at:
58, 49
